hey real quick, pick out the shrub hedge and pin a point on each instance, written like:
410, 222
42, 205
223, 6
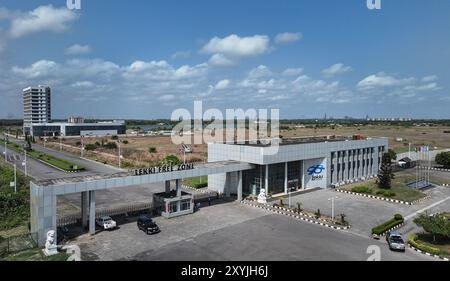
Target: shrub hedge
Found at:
412, 240
383, 228
386, 193
362, 189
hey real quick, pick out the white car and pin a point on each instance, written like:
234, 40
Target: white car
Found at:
106, 223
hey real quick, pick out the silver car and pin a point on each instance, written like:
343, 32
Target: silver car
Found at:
395, 241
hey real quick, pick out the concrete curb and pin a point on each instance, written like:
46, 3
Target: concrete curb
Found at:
106, 165
291, 214
383, 198
428, 254
440, 170
446, 185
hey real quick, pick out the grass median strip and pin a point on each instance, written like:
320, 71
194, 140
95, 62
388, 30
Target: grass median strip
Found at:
49, 159
383, 228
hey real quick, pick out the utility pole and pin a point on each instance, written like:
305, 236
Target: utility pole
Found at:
15, 178
120, 155
5, 152
60, 143
82, 146
25, 163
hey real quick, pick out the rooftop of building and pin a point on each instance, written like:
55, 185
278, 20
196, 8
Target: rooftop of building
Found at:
303, 140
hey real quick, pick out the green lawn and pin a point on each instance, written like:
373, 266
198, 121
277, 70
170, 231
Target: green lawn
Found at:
35, 255
198, 182
399, 187
14, 207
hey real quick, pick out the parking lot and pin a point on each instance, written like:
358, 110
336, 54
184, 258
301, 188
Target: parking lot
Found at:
365, 213
232, 231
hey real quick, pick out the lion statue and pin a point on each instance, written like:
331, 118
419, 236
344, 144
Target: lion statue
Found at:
51, 247
262, 197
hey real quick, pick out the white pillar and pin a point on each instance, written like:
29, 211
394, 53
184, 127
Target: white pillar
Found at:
286, 178
84, 209
227, 185
266, 185
239, 188
178, 187
92, 212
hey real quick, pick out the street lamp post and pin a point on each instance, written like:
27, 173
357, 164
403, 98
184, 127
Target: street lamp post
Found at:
82, 146
15, 178
120, 156
5, 152
409, 150
332, 206
25, 163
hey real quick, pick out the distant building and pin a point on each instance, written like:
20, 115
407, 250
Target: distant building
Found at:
36, 106
37, 118
75, 120
74, 129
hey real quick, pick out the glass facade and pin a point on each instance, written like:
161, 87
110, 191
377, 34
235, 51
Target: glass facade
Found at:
71, 131
254, 180
185, 205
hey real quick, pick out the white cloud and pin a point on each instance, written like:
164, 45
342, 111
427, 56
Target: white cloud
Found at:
381, 80
166, 98
78, 49
259, 72
429, 87
161, 70
293, 72
288, 37
221, 60
83, 84
43, 18
335, 69
430, 78
223, 84
181, 55
38, 69
235, 46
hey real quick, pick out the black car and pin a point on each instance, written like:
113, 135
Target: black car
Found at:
147, 225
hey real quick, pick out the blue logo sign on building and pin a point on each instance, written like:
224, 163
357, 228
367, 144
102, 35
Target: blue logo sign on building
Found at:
316, 172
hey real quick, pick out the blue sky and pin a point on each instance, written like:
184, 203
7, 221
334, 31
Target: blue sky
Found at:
143, 59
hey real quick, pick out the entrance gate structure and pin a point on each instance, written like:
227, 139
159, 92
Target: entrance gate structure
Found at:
43, 194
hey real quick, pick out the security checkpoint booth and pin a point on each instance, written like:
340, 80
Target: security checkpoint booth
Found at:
173, 203
43, 194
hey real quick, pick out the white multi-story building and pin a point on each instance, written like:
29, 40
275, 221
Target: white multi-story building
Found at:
36, 106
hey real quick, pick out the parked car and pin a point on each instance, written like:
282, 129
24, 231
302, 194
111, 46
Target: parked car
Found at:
107, 223
395, 241
147, 225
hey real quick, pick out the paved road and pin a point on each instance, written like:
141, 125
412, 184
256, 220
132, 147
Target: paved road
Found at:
36, 169
40, 171
233, 231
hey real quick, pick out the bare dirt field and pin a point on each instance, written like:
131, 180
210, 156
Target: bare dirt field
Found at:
417, 136
150, 150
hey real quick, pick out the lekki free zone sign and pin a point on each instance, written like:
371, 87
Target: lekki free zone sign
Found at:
315, 173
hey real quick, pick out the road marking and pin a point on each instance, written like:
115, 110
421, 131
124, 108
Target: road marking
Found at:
426, 209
